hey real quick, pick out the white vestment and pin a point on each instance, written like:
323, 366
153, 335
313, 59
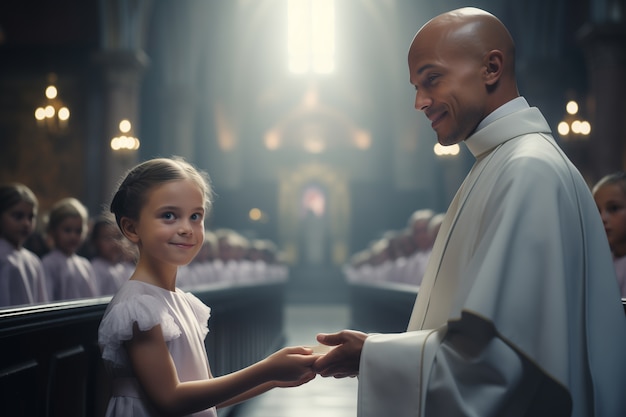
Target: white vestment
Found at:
519, 313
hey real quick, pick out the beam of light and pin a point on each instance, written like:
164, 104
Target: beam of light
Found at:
311, 36
323, 36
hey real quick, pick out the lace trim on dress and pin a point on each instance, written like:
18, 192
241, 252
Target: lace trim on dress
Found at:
201, 310
117, 325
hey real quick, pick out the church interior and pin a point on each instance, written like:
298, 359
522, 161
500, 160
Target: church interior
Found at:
301, 113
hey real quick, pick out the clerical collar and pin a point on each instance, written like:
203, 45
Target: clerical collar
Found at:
477, 143
512, 106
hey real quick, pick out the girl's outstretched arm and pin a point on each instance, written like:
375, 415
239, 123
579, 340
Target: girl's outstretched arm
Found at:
260, 389
157, 375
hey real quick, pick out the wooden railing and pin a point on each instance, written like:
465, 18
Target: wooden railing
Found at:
50, 362
381, 307
385, 307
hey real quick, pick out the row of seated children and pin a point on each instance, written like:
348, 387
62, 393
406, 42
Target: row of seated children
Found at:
56, 271
402, 256
75, 260
229, 258
399, 256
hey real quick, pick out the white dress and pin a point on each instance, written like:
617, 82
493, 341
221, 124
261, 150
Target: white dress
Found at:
69, 277
184, 322
22, 279
110, 276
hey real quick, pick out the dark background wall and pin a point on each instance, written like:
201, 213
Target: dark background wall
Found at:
208, 80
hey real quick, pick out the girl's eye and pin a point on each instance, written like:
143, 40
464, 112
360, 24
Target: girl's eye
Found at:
168, 215
196, 217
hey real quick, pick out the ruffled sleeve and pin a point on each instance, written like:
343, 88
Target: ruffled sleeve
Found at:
117, 325
202, 312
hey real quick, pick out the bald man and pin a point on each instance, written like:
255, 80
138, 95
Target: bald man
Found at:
519, 312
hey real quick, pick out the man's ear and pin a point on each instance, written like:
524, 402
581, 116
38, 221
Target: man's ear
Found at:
127, 225
494, 65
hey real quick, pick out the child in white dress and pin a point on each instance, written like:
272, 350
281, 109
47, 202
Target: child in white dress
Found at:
22, 280
152, 333
610, 196
69, 275
108, 262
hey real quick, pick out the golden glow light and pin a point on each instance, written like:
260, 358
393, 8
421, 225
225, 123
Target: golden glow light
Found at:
571, 107
124, 143
451, 150
40, 113
125, 126
314, 145
362, 139
585, 128
572, 127
255, 214
53, 114
49, 111
272, 140
51, 92
64, 113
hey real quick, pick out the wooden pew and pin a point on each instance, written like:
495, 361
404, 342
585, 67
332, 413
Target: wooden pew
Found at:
50, 362
385, 307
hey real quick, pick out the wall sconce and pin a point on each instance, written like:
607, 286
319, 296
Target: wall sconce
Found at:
125, 141
573, 127
446, 151
53, 114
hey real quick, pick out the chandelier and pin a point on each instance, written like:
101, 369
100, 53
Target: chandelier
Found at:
53, 114
573, 126
125, 141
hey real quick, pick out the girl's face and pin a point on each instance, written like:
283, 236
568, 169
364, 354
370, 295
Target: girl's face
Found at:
109, 243
611, 201
171, 223
17, 223
68, 235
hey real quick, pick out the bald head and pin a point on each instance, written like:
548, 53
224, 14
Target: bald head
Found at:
471, 31
463, 64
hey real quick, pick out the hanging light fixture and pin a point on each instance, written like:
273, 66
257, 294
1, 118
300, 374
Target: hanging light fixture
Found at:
125, 141
573, 127
53, 114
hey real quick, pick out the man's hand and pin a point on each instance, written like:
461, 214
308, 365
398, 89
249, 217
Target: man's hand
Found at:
343, 360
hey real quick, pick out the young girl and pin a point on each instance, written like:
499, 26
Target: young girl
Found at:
22, 279
610, 196
152, 333
108, 262
69, 275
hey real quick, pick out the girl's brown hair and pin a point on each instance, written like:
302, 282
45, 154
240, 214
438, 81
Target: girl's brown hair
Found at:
131, 195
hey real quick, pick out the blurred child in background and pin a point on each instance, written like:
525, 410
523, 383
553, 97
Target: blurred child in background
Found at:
68, 274
108, 260
610, 196
22, 279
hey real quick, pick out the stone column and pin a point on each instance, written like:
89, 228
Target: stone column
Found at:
122, 62
122, 72
605, 50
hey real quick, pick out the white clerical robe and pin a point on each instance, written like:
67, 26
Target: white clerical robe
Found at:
519, 313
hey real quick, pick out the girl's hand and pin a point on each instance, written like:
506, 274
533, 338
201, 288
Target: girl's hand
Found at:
301, 381
291, 366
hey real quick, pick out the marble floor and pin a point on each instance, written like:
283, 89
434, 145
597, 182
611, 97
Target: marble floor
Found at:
326, 397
